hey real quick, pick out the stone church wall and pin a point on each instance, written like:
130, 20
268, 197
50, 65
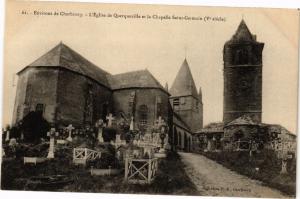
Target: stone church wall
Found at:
36, 86
81, 100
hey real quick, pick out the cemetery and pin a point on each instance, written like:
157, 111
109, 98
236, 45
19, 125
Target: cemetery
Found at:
66, 155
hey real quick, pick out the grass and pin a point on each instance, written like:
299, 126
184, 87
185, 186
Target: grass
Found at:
268, 168
171, 178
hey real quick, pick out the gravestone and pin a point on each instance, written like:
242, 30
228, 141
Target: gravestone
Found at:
283, 167
12, 142
70, 128
131, 127
99, 125
52, 134
7, 136
110, 119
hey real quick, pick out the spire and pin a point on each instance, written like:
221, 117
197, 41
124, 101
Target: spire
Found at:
243, 33
184, 84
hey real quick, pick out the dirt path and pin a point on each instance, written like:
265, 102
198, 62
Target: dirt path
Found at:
212, 179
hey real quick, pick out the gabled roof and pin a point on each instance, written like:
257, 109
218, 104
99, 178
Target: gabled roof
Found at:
134, 79
64, 57
242, 34
243, 120
184, 84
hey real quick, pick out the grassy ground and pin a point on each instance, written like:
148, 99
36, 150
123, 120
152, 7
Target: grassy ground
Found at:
171, 178
263, 166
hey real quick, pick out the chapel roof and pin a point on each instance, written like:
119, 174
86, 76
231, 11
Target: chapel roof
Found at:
243, 120
214, 127
242, 34
63, 56
134, 79
184, 84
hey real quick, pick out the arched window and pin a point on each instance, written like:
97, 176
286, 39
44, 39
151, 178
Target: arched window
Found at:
143, 114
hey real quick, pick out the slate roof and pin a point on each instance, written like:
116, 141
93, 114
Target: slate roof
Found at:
243, 120
184, 84
215, 127
64, 57
134, 79
242, 34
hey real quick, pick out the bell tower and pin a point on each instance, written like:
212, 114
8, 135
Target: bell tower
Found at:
242, 56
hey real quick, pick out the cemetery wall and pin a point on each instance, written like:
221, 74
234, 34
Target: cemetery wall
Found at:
37, 86
81, 100
144, 96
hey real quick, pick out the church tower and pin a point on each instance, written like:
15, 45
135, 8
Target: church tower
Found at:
242, 56
185, 100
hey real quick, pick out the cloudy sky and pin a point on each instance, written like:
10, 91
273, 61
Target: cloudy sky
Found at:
119, 45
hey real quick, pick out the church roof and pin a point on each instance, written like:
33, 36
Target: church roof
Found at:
134, 79
214, 127
64, 57
243, 120
184, 84
242, 34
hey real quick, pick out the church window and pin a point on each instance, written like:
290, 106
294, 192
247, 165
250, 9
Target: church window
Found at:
143, 114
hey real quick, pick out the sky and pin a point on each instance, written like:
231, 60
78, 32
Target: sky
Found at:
119, 45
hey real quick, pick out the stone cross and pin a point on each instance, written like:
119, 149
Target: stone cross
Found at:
160, 121
283, 167
100, 124
7, 136
110, 119
70, 128
51, 146
131, 127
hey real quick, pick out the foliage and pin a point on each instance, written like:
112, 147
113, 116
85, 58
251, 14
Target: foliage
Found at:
263, 166
34, 127
109, 134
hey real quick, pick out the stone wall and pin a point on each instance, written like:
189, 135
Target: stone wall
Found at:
36, 86
81, 100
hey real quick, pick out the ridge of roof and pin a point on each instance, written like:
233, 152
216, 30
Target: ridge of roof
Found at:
134, 79
65, 57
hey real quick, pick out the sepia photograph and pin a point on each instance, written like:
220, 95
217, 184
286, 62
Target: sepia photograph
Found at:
150, 99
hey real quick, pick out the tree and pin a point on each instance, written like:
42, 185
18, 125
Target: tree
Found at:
34, 127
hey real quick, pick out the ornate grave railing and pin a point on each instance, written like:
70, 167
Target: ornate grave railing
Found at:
140, 171
82, 155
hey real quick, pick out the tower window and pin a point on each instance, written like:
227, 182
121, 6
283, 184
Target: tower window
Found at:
176, 102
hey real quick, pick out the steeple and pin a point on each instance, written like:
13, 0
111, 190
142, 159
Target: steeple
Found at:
243, 34
184, 84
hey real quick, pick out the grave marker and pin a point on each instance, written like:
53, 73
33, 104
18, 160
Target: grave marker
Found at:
110, 119
70, 128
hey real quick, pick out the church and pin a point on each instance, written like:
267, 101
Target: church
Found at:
68, 89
